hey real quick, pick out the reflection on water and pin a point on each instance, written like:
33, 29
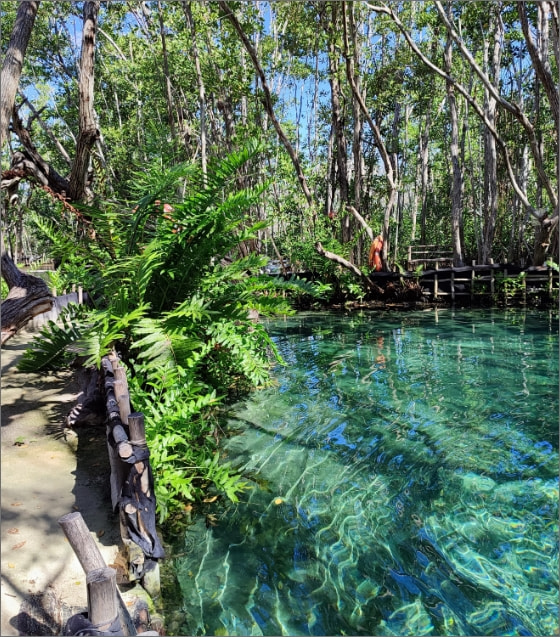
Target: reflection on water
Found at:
405, 473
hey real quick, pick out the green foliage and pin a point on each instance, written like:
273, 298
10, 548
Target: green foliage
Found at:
57, 343
175, 301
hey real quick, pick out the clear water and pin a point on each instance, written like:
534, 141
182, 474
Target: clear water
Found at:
405, 482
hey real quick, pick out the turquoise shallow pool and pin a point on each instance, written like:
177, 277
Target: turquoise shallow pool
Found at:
405, 482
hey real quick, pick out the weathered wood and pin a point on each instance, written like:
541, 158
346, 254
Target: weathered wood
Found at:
123, 399
107, 367
119, 470
28, 296
102, 599
120, 374
137, 429
82, 541
90, 558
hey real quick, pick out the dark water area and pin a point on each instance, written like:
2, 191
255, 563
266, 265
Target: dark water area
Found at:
404, 481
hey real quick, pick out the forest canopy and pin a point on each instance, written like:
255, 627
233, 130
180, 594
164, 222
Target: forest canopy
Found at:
421, 121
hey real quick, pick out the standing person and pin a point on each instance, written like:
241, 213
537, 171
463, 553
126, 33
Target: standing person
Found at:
374, 260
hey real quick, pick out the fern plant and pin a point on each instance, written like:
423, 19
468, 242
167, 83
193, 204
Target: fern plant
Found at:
174, 301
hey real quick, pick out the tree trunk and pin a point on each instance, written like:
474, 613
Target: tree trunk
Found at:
382, 148
267, 102
490, 201
167, 79
201, 90
457, 173
542, 216
539, 54
337, 120
346, 264
28, 296
423, 151
13, 63
88, 132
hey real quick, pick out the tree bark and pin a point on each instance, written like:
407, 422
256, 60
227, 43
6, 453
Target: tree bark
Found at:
13, 63
344, 263
88, 132
337, 119
490, 201
382, 148
538, 54
547, 220
28, 296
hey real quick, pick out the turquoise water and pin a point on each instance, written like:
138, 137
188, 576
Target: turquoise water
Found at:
405, 482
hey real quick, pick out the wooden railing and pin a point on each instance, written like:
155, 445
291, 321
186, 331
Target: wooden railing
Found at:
490, 280
132, 495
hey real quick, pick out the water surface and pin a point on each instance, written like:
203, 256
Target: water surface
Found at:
405, 482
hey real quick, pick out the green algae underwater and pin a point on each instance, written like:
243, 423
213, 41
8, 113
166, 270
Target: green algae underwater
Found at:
404, 473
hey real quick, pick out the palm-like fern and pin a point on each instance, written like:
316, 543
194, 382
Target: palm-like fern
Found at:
177, 309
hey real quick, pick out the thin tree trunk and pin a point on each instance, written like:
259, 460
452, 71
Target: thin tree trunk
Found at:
539, 52
490, 205
13, 63
457, 173
385, 157
540, 215
267, 102
201, 90
336, 114
424, 174
167, 77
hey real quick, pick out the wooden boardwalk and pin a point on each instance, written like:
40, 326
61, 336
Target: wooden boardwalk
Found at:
491, 281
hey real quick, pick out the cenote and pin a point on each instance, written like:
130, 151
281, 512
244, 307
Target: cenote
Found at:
404, 481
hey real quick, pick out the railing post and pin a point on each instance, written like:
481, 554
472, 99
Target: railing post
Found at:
436, 281
102, 600
491, 263
472, 281
81, 541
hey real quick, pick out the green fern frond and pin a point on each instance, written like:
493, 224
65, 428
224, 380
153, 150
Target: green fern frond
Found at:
50, 349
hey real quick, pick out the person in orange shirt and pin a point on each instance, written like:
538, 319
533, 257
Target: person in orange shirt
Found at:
374, 260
